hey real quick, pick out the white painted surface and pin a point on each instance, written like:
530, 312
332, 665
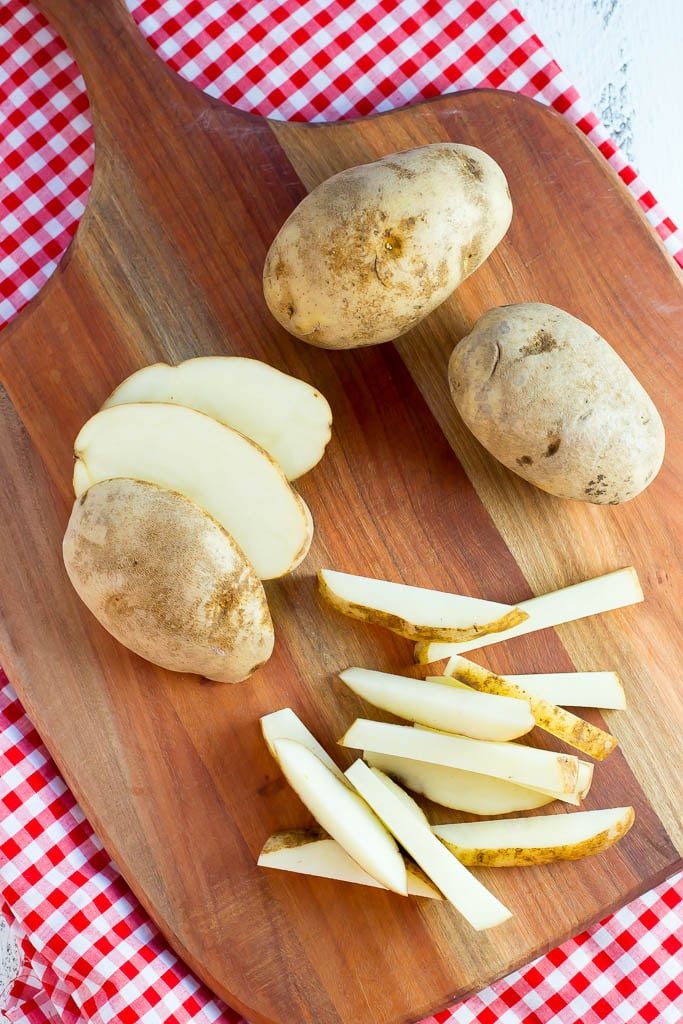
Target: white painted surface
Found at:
624, 57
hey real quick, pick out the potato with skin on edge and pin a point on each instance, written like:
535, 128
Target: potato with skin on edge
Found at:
554, 402
374, 249
167, 581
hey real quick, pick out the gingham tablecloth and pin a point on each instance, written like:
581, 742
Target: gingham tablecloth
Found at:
89, 951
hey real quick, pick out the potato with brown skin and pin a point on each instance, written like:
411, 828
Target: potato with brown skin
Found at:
375, 248
552, 400
165, 579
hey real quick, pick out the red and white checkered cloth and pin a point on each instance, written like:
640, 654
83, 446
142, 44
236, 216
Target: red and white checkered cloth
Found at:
90, 952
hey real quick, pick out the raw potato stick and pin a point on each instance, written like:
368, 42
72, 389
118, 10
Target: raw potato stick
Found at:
587, 738
592, 597
285, 725
405, 820
514, 842
414, 612
568, 689
514, 762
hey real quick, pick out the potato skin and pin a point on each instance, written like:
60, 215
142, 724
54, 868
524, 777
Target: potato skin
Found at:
551, 399
165, 579
375, 248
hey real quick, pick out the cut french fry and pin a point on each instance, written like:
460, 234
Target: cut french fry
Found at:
526, 841
587, 738
477, 905
568, 689
343, 814
466, 712
458, 789
584, 776
592, 597
285, 725
415, 612
314, 853
513, 762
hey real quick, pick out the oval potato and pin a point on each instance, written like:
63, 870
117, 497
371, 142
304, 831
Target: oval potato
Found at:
165, 579
375, 248
551, 399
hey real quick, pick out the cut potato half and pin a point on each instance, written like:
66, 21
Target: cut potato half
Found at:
285, 416
465, 712
587, 738
415, 612
526, 841
458, 789
513, 762
222, 471
474, 901
592, 597
314, 853
343, 814
567, 689
286, 725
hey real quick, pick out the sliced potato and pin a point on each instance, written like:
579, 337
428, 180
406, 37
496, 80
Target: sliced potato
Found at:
592, 597
458, 789
165, 579
540, 840
222, 471
569, 689
414, 612
343, 814
314, 853
287, 417
444, 708
513, 762
474, 901
555, 720
285, 725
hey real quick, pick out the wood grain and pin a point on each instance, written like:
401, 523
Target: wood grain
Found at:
173, 774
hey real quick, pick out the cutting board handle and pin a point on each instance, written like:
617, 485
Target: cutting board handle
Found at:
119, 66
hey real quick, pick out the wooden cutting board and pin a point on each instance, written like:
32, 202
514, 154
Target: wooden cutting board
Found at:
173, 774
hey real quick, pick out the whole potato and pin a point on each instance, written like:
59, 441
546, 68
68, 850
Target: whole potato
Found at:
165, 579
374, 249
552, 400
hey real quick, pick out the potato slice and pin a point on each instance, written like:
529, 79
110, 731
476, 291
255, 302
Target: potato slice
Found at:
557, 721
165, 579
513, 762
343, 814
540, 840
592, 597
314, 853
474, 901
451, 710
414, 612
285, 725
285, 416
458, 789
568, 689
225, 473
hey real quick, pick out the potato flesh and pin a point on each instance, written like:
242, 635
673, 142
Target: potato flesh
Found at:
287, 417
513, 762
343, 814
460, 790
310, 853
414, 612
552, 719
555, 403
223, 472
591, 597
375, 248
566, 689
451, 710
474, 901
539, 840
286, 725
167, 581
